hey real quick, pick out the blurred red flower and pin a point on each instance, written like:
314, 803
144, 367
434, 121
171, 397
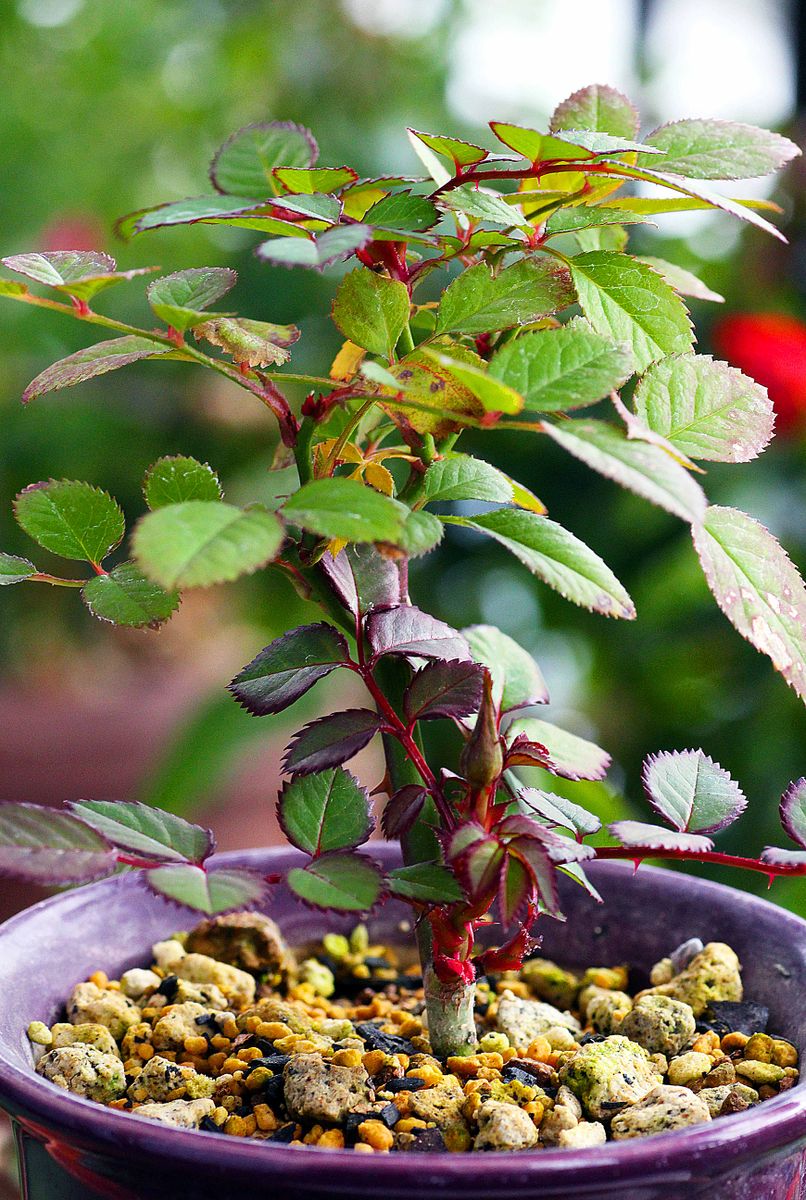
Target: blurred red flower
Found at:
771, 348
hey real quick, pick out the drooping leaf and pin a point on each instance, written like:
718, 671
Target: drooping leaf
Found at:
560, 369
597, 107
325, 812
460, 153
401, 214
402, 810
494, 395
213, 892
79, 273
346, 509
328, 248
558, 810
51, 847
515, 889
692, 792
73, 520
705, 408
626, 300
146, 832
125, 597
341, 882
443, 689
711, 149
179, 299
757, 587
91, 362
480, 302
14, 569
177, 478
557, 557
558, 846
574, 871
371, 310
793, 811
571, 757
243, 165
517, 679
406, 630
198, 543
362, 578
254, 343
683, 281
645, 469
288, 667
190, 211
425, 883
637, 835
331, 740
309, 180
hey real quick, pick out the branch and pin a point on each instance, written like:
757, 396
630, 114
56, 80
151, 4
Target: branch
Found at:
638, 855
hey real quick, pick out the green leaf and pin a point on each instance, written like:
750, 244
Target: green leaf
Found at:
330, 247
73, 520
559, 369
176, 478
255, 343
188, 212
10, 287
14, 569
420, 533
243, 165
482, 204
571, 757
371, 310
757, 587
50, 847
710, 149
305, 181
557, 810
290, 665
569, 220
495, 396
426, 883
345, 508
146, 832
401, 213
705, 408
692, 792
199, 543
460, 477
597, 107
626, 300
78, 273
325, 812
94, 360
517, 679
461, 154
479, 302
557, 557
179, 299
213, 892
537, 147
647, 470
341, 882
433, 400
683, 282
124, 596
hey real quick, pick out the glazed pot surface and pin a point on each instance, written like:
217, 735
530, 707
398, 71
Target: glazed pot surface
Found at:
73, 1149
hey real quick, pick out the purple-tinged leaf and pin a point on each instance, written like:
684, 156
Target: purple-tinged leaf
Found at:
517, 680
757, 587
692, 792
212, 208
146, 832
50, 847
636, 835
91, 362
778, 857
571, 757
560, 849
544, 874
444, 689
180, 299
325, 812
363, 579
339, 883
793, 811
406, 630
557, 810
288, 667
523, 752
332, 246
331, 740
515, 890
212, 892
402, 811
479, 867
459, 840
426, 883
243, 165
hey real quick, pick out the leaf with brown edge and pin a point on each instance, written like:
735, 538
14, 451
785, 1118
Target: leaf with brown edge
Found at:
792, 811
479, 867
254, 343
213, 892
692, 792
342, 882
402, 810
325, 812
47, 846
331, 740
636, 835
446, 688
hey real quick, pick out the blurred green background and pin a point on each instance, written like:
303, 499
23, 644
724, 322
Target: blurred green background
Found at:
112, 106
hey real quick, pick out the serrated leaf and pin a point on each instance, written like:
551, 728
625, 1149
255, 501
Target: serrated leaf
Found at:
514, 890
146, 832
443, 689
479, 302
406, 630
346, 509
647, 470
189, 211
94, 360
792, 811
558, 810
371, 310
71, 519
78, 273
570, 220
425, 883
777, 857
401, 214
179, 299
430, 398
212, 892
711, 149
574, 871
557, 557
597, 107
482, 204
479, 867
125, 597
288, 667
684, 282
332, 246
537, 147
461, 477
626, 300
243, 165
493, 395
339, 882
571, 757
461, 153
14, 569
560, 369
560, 848
177, 478
254, 343
363, 578
199, 543
636, 835
705, 408
692, 792
402, 810
50, 847
331, 740
542, 870
757, 587
305, 180
325, 812
517, 679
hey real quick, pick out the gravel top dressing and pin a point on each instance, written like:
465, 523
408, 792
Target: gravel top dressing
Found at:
228, 1032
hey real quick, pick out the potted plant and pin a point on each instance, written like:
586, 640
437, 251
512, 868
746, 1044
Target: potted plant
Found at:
530, 309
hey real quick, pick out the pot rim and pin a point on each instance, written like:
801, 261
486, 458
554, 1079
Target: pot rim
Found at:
757, 1130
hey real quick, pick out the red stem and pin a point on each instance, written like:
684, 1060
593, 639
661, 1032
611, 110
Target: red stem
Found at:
716, 857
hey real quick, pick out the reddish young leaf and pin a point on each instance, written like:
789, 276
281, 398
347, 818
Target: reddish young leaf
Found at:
536, 858
479, 867
331, 740
793, 811
402, 810
288, 667
571, 757
363, 579
524, 753
515, 890
444, 689
560, 849
46, 846
404, 629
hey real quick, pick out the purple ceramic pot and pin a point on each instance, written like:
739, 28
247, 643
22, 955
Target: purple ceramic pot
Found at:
71, 1148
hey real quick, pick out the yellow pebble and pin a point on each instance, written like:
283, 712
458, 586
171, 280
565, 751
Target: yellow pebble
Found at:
195, 1045
332, 1139
231, 1065
272, 1030
219, 1115
313, 1135
363, 1148
247, 1054
219, 1042
408, 1123
706, 1043
265, 1118
258, 1078
784, 1053
145, 1051
373, 1060
734, 1041
347, 1058
429, 1075
236, 1126
99, 978
376, 1135
540, 1049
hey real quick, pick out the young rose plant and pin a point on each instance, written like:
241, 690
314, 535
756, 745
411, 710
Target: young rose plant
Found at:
540, 312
